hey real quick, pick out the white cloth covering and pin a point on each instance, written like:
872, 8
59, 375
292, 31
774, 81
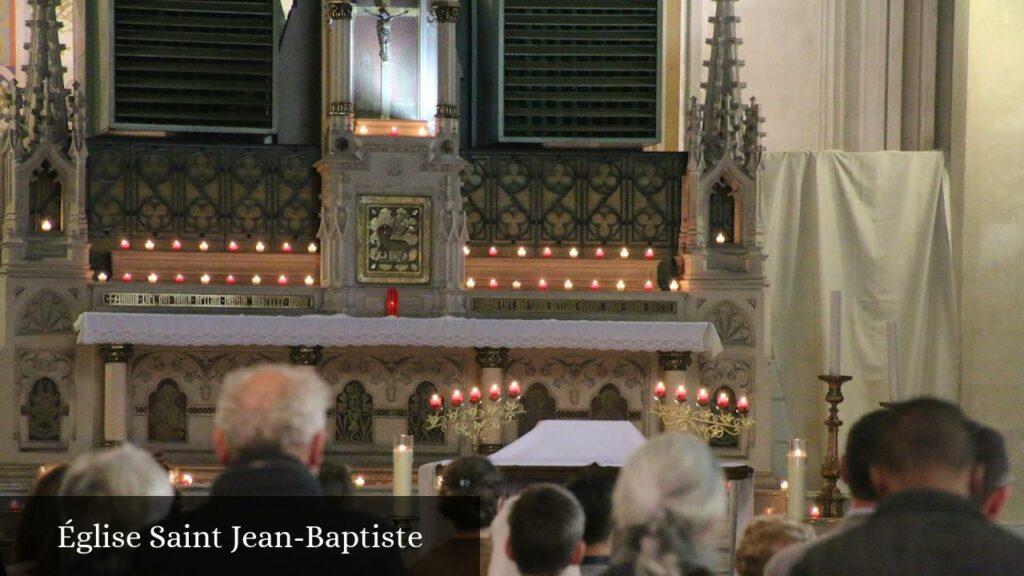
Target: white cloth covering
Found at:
572, 443
341, 330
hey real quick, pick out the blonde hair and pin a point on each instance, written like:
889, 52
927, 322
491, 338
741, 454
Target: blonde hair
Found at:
763, 538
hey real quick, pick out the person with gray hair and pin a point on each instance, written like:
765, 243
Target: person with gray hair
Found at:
270, 431
667, 501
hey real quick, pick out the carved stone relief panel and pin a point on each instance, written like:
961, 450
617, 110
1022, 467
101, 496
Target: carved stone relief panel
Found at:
539, 405
168, 413
393, 376
572, 375
46, 313
419, 408
733, 325
608, 404
45, 393
354, 414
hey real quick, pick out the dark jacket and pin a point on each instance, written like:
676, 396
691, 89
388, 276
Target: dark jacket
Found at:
919, 532
266, 474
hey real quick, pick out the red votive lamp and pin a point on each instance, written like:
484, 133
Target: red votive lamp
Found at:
176, 245
179, 278
595, 285
723, 400
126, 277
230, 279
513, 389
475, 395
391, 303
743, 405
649, 253
492, 251
125, 244
282, 280
232, 246
659, 390
286, 248
457, 398
493, 283
815, 513
648, 286
702, 397
435, 402
546, 252
542, 284
681, 394
599, 253
495, 392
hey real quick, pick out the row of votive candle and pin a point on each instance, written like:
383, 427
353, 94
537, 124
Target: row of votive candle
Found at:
475, 396
542, 284
203, 246
573, 252
703, 398
153, 278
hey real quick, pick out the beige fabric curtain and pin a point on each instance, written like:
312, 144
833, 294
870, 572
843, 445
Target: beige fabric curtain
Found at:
876, 227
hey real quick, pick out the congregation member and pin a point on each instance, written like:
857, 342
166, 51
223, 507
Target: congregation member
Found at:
668, 500
926, 522
763, 537
993, 490
470, 492
35, 544
862, 449
593, 489
336, 480
545, 531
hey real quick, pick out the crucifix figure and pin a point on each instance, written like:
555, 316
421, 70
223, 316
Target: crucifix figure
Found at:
384, 18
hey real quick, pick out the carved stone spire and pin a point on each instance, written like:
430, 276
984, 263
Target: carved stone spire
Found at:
46, 98
723, 126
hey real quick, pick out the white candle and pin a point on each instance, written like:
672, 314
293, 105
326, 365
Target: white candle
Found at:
401, 473
796, 468
892, 336
835, 340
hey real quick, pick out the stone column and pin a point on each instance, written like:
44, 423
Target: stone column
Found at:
306, 355
447, 14
673, 374
115, 392
340, 110
492, 362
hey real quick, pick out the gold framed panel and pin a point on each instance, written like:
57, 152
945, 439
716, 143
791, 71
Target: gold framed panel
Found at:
394, 240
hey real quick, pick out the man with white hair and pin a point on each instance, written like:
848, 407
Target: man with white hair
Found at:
270, 431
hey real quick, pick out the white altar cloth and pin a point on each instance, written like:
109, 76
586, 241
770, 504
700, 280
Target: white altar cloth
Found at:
572, 443
342, 330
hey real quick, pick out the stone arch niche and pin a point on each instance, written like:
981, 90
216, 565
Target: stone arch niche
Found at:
609, 404
168, 413
419, 408
46, 199
45, 409
354, 414
539, 405
725, 214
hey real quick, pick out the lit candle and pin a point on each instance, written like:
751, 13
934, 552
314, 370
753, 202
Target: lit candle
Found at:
475, 395
102, 276
648, 286
815, 512
674, 285
521, 252
743, 405
176, 245
256, 280
492, 251
599, 253
125, 244
542, 284
574, 253
835, 339
470, 283
363, 129
457, 398
659, 390
435, 402
232, 246
286, 247
230, 279
465, 250
595, 285
681, 394
149, 245
568, 284
784, 485
260, 246
546, 252
723, 400
152, 278
702, 397
422, 131
204, 246
513, 389
126, 277
394, 130
282, 280
892, 336
401, 471
179, 278
359, 481
495, 392
620, 285
796, 466
493, 283
649, 253
516, 284
46, 225
720, 238
312, 248
204, 279
310, 280
624, 253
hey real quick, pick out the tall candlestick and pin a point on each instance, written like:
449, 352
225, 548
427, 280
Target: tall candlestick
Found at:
892, 335
835, 338
796, 469
401, 472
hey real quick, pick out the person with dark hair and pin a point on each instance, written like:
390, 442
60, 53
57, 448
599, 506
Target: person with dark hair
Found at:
862, 445
35, 542
992, 492
545, 531
926, 522
336, 480
593, 489
471, 489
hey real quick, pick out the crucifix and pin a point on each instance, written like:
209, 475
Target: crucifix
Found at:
381, 11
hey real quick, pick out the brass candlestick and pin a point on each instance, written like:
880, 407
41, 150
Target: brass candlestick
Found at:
830, 500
